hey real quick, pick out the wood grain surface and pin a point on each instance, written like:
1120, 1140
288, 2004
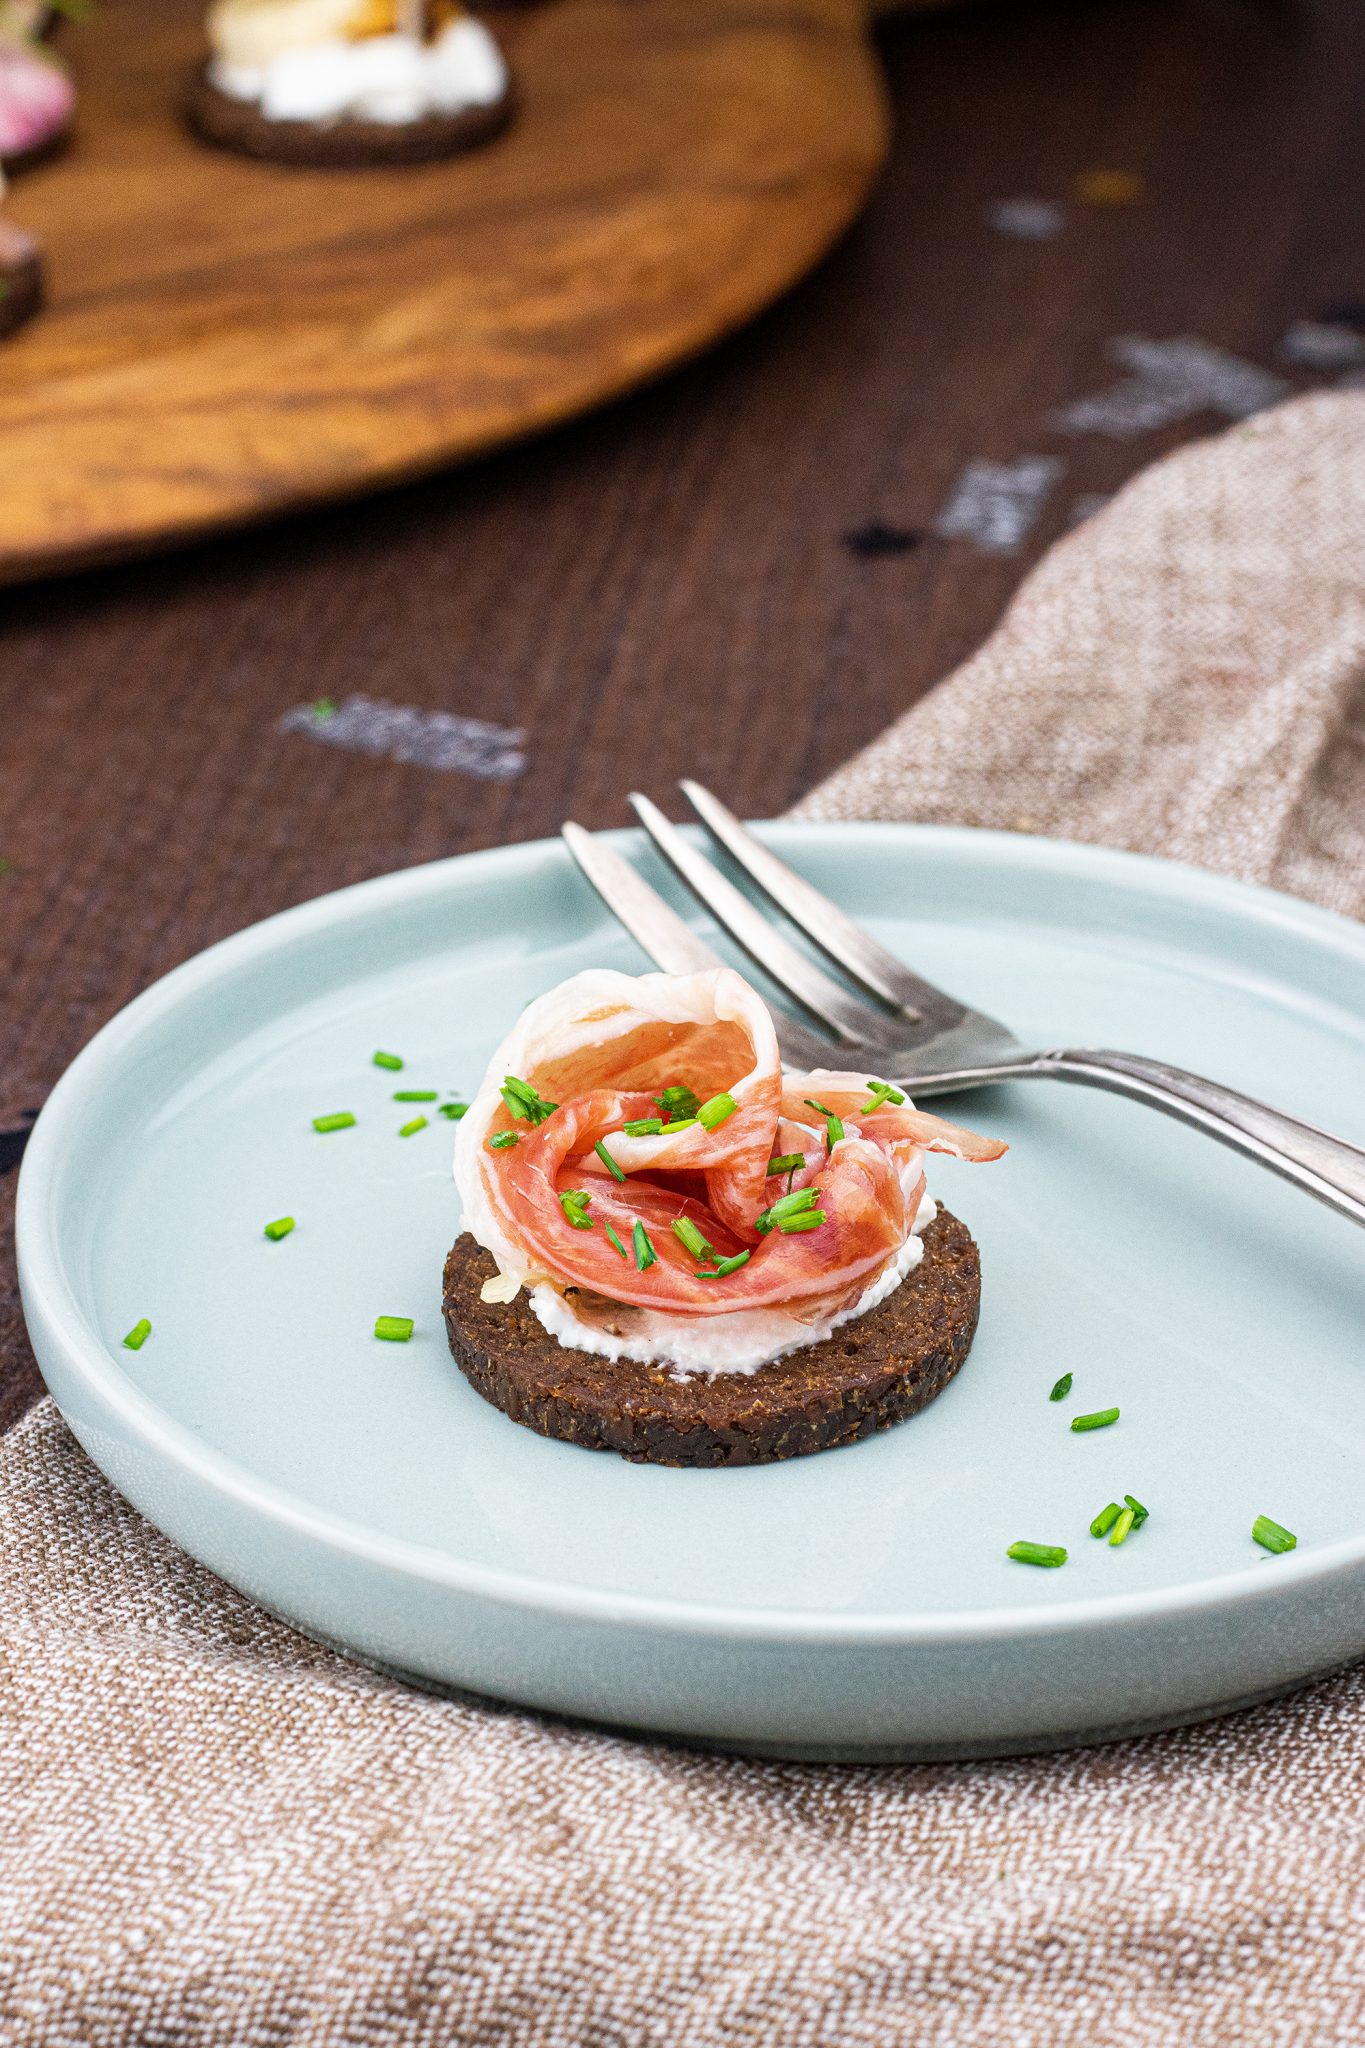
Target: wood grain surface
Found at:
227, 338
668, 585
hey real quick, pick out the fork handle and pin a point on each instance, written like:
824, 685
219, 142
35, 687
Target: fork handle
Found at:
1329, 1168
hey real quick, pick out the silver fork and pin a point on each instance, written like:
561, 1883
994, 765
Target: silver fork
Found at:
915, 1033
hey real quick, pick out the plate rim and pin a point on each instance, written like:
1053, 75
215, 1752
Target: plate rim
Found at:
48, 1296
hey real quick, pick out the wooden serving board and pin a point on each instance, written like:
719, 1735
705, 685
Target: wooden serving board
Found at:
227, 340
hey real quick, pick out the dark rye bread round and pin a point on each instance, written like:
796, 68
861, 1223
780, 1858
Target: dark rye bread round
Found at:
21, 278
345, 145
869, 1374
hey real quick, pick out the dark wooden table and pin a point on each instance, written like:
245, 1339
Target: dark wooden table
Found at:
672, 585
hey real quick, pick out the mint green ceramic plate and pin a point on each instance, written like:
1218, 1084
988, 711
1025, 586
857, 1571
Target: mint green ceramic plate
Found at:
858, 1603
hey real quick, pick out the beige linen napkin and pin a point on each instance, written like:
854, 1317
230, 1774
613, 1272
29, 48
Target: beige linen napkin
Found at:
213, 1832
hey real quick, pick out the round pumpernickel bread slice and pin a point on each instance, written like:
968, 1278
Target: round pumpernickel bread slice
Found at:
344, 145
869, 1374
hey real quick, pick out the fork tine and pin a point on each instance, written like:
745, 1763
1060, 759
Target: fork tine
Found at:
670, 943
847, 944
852, 1020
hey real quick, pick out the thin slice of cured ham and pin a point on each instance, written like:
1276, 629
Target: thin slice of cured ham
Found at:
601, 1048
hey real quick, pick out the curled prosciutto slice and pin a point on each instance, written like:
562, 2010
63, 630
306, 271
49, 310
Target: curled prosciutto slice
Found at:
636, 1159
37, 100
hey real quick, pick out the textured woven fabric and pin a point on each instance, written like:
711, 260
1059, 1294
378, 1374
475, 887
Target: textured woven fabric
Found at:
214, 1832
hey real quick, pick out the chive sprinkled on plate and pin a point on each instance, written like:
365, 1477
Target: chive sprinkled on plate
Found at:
678, 1101
1270, 1535
1122, 1529
724, 1266
643, 1127
500, 1140
615, 1242
1105, 1519
416, 1123
574, 1202
1099, 1419
1140, 1513
645, 1254
1049, 1554
142, 1330
281, 1227
340, 1120
389, 1060
686, 1231
792, 1213
882, 1093
834, 1129
786, 1162
1062, 1388
416, 1094
523, 1101
716, 1110
454, 1110
612, 1168
393, 1329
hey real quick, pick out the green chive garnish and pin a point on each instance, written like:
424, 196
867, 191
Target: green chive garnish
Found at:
389, 1060
574, 1202
1270, 1535
322, 708
142, 1330
678, 1100
724, 1266
1105, 1519
645, 1254
834, 1129
679, 1123
809, 1219
523, 1101
416, 1094
612, 1168
281, 1227
393, 1329
1140, 1513
1050, 1554
1062, 1388
643, 1127
1101, 1419
687, 1232
454, 1110
1122, 1528
341, 1121
416, 1123
614, 1240
786, 1162
783, 1212
716, 1111
500, 1140
882, 1093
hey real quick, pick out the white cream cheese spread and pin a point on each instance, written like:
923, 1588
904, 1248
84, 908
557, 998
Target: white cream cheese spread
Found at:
388, 78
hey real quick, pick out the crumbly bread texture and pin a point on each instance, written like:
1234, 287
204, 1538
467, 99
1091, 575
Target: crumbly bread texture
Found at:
872, 1372
343, 145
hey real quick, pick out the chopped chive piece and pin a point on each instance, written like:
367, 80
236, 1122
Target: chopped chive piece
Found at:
834, 1129
1105, 1519
389, 1060
523, 1101
788, 1205
1101, 1419
281, 1227
716, 1110
679, 1123
322, 708
724, 1266
454, 1110
416, 1123
687, 1232
645, 1254
643, 1127
882, 1093
393, 1329
614, 1240
416, 1094
1122, 1528
1062, 1388
341, 1121
678, 1101
1268, 1534
574, 1202
1050, 1554
142, 1330
1140, 1513
809, 1219
786, 1162
500, 1140
612, 1168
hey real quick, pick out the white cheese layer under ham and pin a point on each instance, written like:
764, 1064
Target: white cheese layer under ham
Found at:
602, 1047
